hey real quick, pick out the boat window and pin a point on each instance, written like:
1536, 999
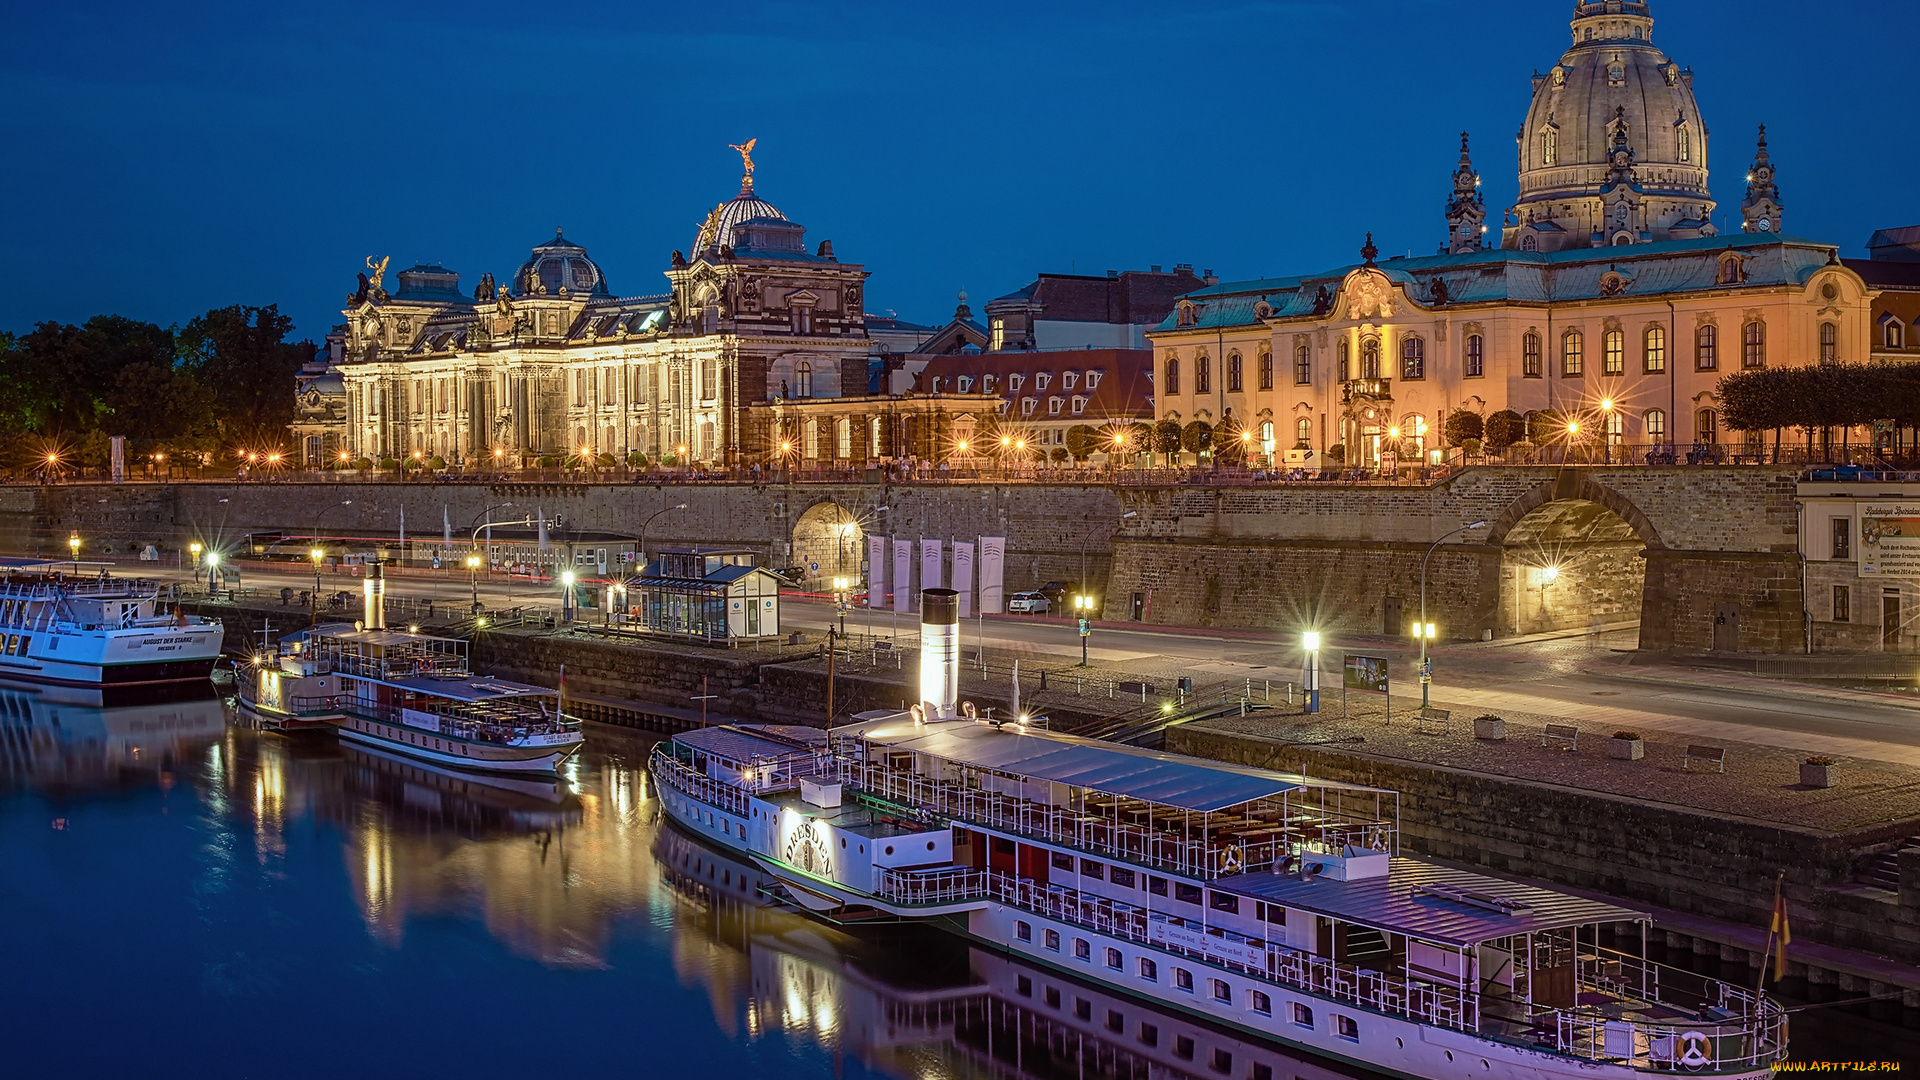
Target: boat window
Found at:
1183, 1047
1026, 985
1183, 979
1083, 1008
1023, 931
1053, 940
1220, 990
1226, 902
1113, 959
1222, 1061
1149, 1035
1156, 885
1186, 893
1260, 1002
1089, 868
1149, 970
1302, 1015
1273, 913
1082, 950
1346, 1027
1122, 877
1062, 861
1053, 997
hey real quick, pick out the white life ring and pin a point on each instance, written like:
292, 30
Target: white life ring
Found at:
1695, 1049
1230, 859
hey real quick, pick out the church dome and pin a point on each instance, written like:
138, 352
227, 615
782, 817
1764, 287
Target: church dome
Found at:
560, 263
744, 207
1611, 79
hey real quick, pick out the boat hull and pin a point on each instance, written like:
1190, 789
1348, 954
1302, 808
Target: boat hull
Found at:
456, 753
83, 673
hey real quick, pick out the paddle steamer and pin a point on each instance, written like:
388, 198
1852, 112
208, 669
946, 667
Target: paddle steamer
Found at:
1272, 903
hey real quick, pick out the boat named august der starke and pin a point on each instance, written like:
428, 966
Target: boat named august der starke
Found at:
1272, 903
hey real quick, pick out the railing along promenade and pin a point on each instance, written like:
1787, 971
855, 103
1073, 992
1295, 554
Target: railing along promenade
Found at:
1747, 1032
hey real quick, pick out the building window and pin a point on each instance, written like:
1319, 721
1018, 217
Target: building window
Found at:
1656, 425
1233, 373
998, 328
805, 378
1476, 356
1842, 603
1173, 375
1302, 432
1549, 146
1706, 427
1892, 336
1753, 344
1706, 348
1842, 538
1653, 350
1829, 343
1149, 970
1616, 428
1203, 374
1266, 369
1346, 360
1370, 358
843, 437
1413, 358
1259, 1002
1573, 360
1530, 355
1613, 353
1685, 133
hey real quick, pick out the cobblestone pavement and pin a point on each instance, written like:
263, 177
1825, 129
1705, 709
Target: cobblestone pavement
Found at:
1760, 781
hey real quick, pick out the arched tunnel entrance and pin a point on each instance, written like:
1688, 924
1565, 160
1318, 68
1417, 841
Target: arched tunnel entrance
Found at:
1570, 564
826, 544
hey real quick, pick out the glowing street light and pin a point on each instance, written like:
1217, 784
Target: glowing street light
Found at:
473, 578
566, 595
1083, 604
317, 554
841, 585
1310, 674
213, 562
73, 545
1424, 630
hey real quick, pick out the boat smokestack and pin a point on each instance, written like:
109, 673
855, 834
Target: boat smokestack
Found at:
374, 588
939, 652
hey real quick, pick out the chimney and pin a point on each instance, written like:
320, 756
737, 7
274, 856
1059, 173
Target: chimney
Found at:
374, 589
939, 652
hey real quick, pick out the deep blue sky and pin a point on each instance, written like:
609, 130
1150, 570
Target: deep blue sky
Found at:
163, 159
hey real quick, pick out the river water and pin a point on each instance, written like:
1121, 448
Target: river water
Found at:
182, 896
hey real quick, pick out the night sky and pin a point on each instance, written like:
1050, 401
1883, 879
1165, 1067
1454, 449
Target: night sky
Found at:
165, 159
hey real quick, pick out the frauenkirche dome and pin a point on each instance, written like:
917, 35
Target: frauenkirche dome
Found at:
1614, 149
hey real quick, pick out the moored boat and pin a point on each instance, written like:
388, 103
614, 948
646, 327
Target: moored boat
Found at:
1275, 904
100, 631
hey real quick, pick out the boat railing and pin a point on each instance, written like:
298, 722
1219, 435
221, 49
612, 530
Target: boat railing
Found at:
1734, 1027
529, 729
1157, 848
938, 885
681, 777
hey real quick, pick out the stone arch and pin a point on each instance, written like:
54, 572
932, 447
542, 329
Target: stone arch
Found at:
826, 543
1574, 484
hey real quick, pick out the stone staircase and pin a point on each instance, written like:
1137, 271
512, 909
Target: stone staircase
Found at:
1882, 871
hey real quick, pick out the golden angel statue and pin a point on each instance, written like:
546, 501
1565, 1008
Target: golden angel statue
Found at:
746, 160
379, 271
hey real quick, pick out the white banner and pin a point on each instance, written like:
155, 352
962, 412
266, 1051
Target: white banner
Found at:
931, 574
993, 558
1889, 539
877, 571
903, 576
963, 575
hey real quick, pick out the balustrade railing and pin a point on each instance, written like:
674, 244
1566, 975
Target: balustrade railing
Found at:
677, 775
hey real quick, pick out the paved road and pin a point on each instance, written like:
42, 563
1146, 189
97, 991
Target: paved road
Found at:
1581, 678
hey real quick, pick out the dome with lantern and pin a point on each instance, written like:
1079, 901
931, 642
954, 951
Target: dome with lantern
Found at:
560, 267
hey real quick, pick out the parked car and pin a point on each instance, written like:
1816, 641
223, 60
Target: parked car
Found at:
1027, 603
1056, 594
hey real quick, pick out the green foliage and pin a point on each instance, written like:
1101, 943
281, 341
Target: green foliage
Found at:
548, 461
1166, 437
1059, 454
389, 463
1545, 426
637, 459
436, 462
1139, 437
1082, 441
1197, 437
1463, 425
1503, 429
1824, 395
1337, 454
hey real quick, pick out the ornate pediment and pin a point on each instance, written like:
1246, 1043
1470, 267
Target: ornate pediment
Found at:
1368, 294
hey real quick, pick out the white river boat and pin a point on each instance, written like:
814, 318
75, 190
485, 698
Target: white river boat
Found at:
1275, 904
104, 631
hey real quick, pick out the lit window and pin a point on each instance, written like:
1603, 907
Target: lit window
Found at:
1613, 353
1753, 344
1656, 425
1653, 350
1476, 356
1706, 427
1413, 358
1573, 361
1370, 358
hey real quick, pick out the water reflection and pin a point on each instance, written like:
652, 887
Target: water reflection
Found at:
71, 740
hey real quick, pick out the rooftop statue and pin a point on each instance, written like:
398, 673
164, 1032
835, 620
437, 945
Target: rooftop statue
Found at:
746, 160
379, 271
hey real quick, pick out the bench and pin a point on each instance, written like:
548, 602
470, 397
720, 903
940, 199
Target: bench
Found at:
1717, 755
1427, 715
1561, 733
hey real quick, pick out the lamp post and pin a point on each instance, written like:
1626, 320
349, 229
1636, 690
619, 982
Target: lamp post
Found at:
195, 548
566, 596
1083, 604
1425, 629
213, 564
473, 579
316, 553
1310, 675
642, 553
1083, 546
1606, 430
73, 545
840, 587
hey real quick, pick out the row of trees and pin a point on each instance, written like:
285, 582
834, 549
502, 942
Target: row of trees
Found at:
219, 384
1823, 397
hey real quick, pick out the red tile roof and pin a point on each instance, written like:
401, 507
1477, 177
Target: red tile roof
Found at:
1124, 390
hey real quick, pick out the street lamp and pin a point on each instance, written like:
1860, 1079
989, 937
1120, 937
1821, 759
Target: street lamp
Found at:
1083, 604
195, 548
213, 562
473, 579
1310, 675
566, 596
1089, 536
1606, 430
73, 545
840, 587
642, 553
317, 553
1425, 629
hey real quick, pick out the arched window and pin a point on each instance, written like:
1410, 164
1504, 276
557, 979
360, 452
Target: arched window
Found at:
1892, 335
1753, 344
1266, 370
1573, 357
1302, 364
1370, 358
1476, 356
1829, 343
1203, 374
804, 376
1528, 243
1233, 373
1706, 427
1302, 432
1653, 350
1656, 425
1686, 143
1549, 146
1413, 358
1706, 348
1346, 360
1530, 355
1613, 353
811, 442
1173, 375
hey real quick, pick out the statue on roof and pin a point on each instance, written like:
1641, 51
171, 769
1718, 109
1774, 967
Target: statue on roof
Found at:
379, 274
746, 162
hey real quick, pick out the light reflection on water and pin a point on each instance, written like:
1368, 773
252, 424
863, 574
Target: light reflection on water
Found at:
180, 896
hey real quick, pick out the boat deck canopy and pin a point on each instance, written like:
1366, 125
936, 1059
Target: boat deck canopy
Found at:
1149, 775
470, 687
1432, 903
757, 742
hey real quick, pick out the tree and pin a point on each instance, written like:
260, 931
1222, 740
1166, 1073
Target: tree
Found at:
244, 352
1463, 425
1196, 438
148, 401
1082, 441
1166, 437
1546, 426
1503, 429
1059, 454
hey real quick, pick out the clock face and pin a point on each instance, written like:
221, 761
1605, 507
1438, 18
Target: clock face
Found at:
1766, 225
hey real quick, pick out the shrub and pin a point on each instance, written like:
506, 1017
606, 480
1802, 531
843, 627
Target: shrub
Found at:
389, 463
1546, 425
548, 461
1082, 441
1197, 438
1166, 437
1490, 718
637, 459
437, 462
1631, 735
1337, 454
1462, 426
1820, 761
363, 464
1471, 447
1059, 454
1503, 429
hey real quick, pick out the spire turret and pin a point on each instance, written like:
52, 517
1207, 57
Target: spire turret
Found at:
1467, 208
1760, 211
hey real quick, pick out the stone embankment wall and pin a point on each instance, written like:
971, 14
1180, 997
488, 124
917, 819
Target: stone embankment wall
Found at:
1666, 856
1278, 558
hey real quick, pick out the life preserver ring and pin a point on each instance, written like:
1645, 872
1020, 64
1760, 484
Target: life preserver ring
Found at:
1696, 1049
1230, 859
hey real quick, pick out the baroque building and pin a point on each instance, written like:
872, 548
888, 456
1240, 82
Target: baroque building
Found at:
552, 363
1611, 296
